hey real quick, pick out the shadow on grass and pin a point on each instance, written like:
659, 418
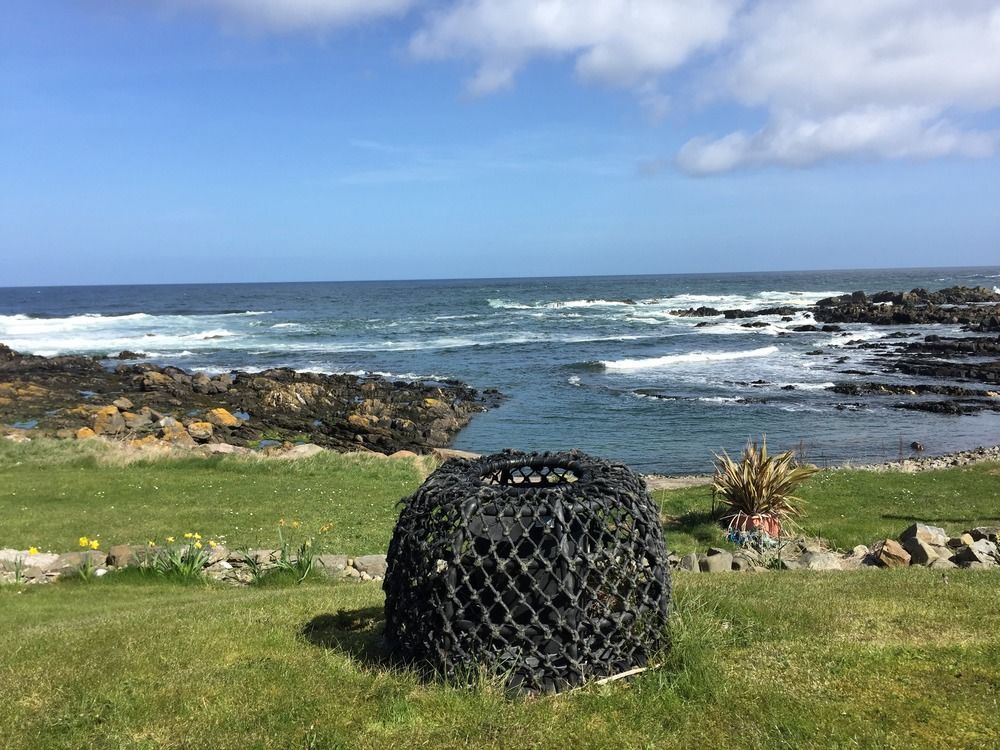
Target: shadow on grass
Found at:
702, 525
356, 632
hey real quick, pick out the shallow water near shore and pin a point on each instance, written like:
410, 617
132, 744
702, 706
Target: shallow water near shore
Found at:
597, 363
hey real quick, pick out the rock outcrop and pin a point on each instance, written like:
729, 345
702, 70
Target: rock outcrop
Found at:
76, 396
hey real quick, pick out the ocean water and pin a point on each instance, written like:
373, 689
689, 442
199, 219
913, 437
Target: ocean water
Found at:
597, 363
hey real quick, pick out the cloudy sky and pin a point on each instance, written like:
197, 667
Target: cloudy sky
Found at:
215, 140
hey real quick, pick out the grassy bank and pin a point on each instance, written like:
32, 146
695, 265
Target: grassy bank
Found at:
904, 658
771, 660
52, 492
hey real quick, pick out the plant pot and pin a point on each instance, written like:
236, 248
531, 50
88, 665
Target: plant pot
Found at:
767, 524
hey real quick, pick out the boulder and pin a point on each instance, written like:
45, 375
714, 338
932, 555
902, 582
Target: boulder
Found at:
123, 404
108, 421
921, 553
333, 566
76, 560
990, 533
85, 433
172, 431
984, 552
820, 561
933, 535
890, 554
222, 418
126, 556
716, 561
201, 430
136, 421
961, 541
690, 563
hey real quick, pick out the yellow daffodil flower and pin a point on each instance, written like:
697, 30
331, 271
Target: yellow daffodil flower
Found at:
94, 544
84, 541
197, 545
170, 540
296, 524
188, 535
32, 550
197, 536
212, 543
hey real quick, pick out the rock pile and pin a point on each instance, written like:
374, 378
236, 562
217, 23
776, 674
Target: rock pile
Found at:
227, 566
919, 544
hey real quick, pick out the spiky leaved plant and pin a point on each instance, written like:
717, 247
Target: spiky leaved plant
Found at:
757, 489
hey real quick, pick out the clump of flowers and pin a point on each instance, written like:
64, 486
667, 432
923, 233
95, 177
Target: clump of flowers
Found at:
185, 560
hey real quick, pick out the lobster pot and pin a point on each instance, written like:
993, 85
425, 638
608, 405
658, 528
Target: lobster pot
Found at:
549, 569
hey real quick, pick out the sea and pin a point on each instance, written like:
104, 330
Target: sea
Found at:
595, 363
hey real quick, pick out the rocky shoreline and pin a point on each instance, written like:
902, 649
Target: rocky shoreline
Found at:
954, 365
145, 404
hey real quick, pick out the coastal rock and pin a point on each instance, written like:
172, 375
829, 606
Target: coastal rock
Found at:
222, 418
108, 421
85, 433
332, 566
200, 430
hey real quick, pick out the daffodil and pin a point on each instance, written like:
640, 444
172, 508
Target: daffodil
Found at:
32, 550
197, 535
170, 540
94, 544
84, 541
197, 545
212, 543
151, 543
188, 535
296, 524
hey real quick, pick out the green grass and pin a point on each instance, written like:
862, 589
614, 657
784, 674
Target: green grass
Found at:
51, 493
792, 660
882, 659
856, 507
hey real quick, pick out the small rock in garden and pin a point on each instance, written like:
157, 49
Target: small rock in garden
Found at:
305, 450
742, 563
716, 561
989, 533
201, 430
983, 551
890, 554
690, 563
122, 556
373, 565
820, 561
960, 541
933, 535
330, 565
123, 404
921, 553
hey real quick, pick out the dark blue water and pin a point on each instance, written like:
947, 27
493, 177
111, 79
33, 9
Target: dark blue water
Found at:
597, 363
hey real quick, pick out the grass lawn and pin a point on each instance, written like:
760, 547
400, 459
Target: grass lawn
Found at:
51, 493
882, 659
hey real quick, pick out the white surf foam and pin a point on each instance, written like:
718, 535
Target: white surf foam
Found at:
671, 360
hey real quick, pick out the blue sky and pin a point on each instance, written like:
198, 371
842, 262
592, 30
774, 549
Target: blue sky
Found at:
258, 140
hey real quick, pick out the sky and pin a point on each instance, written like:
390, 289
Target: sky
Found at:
299, 140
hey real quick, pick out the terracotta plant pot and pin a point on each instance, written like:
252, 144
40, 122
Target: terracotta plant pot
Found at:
770, 525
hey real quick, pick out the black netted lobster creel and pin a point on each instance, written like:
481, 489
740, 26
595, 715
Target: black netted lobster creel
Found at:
547, 568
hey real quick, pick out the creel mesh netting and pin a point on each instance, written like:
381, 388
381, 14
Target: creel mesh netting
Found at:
549, 568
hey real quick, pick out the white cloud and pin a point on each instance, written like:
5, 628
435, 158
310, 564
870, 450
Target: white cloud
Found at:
871, 132
291, 15
873, 79
620, 42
